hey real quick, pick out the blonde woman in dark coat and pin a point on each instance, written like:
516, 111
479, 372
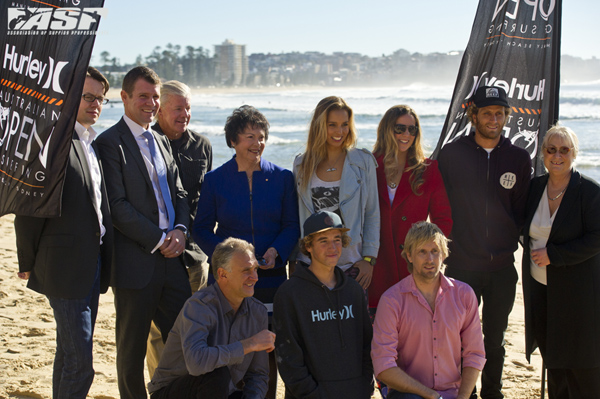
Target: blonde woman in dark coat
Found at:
561, 270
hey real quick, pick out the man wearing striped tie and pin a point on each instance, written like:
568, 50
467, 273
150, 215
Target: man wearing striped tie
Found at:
150, 214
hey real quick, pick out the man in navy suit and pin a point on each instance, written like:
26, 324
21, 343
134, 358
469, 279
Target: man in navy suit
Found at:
68, 258
150, 214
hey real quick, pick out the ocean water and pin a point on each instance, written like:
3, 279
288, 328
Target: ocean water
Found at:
289, 113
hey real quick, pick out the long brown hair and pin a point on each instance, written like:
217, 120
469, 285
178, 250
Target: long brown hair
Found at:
387, 146
316, 148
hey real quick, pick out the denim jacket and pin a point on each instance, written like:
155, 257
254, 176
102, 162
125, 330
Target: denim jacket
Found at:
359, 201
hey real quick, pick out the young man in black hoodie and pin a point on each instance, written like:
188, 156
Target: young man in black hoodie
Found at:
321, 320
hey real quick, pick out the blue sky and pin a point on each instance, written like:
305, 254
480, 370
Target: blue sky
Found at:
372, 27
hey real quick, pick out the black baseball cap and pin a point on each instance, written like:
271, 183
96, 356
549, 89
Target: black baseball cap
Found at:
487, 95
322, 221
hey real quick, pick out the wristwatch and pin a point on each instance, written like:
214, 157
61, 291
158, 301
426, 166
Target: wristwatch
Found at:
370, 259
185, 231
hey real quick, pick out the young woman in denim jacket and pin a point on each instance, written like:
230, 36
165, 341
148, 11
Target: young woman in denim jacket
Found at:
333, 175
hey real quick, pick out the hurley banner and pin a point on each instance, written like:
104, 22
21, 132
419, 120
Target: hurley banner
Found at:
515, 45
45, 48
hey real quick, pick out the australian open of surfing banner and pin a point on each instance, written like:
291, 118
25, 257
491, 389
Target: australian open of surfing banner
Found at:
45, 48
515, 45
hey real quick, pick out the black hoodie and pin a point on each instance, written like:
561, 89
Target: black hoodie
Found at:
324, 337
487, 194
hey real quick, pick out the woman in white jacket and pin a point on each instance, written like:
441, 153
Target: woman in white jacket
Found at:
333, 175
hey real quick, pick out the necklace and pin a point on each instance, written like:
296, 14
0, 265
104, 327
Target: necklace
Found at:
333, 168
559, 194
393, 175
391, 180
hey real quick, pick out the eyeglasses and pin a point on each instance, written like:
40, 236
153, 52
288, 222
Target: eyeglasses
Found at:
400, 129
91, 98
562, 150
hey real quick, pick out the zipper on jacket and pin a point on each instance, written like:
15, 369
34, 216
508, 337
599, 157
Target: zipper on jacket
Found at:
252, 219
487, 189
487, 225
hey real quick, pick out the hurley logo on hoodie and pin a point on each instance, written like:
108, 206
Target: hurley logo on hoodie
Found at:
345, 313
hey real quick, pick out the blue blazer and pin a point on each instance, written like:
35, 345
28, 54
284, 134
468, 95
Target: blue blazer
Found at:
271, 212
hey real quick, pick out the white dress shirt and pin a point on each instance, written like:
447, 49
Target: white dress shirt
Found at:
142, 142
86, 136
539, 231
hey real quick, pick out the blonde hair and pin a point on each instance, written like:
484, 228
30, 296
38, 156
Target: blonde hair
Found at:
420, 234
566, 133
316, 148
170, 89
174, 88
387, 146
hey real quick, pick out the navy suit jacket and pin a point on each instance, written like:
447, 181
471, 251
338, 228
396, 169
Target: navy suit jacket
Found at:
62, 253
133, 204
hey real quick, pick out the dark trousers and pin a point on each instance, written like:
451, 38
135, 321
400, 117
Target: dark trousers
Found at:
206, 386
562, 383
402, 395
73, 362
160, 301
497, 290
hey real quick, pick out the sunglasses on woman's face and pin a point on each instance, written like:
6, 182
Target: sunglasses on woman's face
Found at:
562, 150
400, 129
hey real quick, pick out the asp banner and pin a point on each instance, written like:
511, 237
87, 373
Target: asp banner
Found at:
45, 48
515, 45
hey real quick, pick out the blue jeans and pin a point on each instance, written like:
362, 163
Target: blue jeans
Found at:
73, 364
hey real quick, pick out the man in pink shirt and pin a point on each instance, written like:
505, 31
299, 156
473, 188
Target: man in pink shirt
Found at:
427, 340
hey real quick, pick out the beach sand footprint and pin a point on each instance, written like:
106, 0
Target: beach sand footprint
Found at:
18, 394
35, 332
523, 365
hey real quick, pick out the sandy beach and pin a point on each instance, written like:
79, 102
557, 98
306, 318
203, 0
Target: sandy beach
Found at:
27, 339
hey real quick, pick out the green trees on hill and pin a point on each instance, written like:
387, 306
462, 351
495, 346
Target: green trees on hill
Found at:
193, 66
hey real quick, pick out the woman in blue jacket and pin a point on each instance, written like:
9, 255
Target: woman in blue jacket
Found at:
252, 199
